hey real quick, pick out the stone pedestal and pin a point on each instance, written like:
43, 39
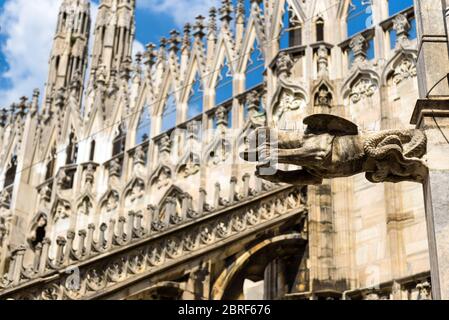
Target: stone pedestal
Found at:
433, 117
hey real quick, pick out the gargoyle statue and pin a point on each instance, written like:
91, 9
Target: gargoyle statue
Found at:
332, 147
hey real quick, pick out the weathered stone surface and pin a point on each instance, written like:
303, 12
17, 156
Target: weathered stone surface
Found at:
331, 147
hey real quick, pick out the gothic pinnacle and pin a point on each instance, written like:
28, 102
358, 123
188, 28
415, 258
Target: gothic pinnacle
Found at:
226, 11
199, 27
240, 11
212, 20
174, 41
150, 55
186, 37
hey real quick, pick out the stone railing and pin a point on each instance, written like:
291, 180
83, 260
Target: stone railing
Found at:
129, 247
415, 287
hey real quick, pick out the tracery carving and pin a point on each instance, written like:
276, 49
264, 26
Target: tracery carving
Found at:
405, 70
163, 178
365, 87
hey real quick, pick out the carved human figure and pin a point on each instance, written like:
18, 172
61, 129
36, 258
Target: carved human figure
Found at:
332, 147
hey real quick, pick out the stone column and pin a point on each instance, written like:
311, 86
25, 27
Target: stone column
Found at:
432, 115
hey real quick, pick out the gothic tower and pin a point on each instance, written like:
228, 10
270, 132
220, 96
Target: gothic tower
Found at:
69, 55
114, 35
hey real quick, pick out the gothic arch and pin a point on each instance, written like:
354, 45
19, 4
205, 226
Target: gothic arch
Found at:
227, 276
173, 193
136, 185
223, 53
169, 93
361, 83
138, 126
161, 177
254, 35
194, 67
108, 206
330, 96
166, 290
194, 76
71, 123
85, 211
188, 165
395, 66
279, 11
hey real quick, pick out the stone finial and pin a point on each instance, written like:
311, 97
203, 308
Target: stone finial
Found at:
162, 46
12, 109
240, 11
199, 27
137, 68
22, 107
186, 38
3, 117
226, 11
212, 20
150, 55
358, 46
35, 101
174, 41
402, 27
139, 56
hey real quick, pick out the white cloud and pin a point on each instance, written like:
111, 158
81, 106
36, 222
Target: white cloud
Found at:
138, 47
182, 11
29, 27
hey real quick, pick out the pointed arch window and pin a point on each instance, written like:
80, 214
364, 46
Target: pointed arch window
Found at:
119, 142
291, 33
195, 103
168, 116
72, 149
255, 67
51, 164
92, 150
10, 174
143, 126
359, 16
223, 88
319, 28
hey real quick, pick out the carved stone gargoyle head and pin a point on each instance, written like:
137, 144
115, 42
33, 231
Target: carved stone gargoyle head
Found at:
332, 147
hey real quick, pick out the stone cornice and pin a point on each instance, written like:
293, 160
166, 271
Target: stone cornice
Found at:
165, 249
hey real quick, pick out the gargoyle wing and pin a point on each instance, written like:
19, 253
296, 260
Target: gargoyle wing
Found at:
327, 123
